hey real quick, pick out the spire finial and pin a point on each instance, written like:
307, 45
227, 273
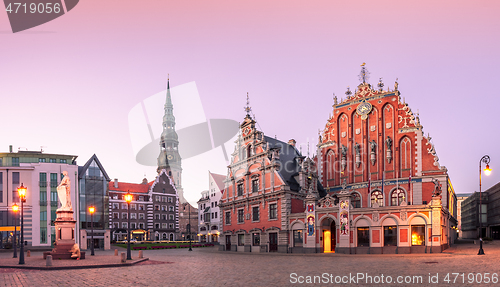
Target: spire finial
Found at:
335, 101
168, 81
248, 109
348, 93
364, 75
380, 85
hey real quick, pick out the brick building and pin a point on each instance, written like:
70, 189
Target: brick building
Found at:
153, 211
374, 186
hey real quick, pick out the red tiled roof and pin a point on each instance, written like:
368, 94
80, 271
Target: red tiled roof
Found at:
131, 187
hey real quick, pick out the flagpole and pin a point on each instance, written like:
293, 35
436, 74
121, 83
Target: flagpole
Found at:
410, 189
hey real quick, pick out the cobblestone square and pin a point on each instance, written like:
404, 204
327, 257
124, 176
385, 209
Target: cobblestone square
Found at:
210, 267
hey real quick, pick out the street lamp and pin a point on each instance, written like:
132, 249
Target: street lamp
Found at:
22, 197
15, 209
189, 227
487, 171
92, 210
128, 199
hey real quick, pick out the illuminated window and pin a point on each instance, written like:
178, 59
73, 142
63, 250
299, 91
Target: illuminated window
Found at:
256, 239
418, 235
397, 197
378, 197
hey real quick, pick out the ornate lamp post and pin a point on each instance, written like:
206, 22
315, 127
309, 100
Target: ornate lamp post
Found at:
15, 209
22, 197
128, 199
91, 211
487, 171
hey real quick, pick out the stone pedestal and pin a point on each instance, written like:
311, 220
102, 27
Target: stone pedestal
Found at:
65, 235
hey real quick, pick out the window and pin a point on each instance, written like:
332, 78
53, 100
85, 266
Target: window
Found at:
157, 207
418, 235
255, 213
256, 239
15, 178
163, 208
15, 161
41, 160
240, 216
53, 180
171, 217
52, 160
255, 185
169, 199
116, 215
228, 217
133, 206
273, 211
157, 225
124, 215
141, 225
124, 206
141, 198
241, 239
171, 225
240, 189
116, 206
43, 234
397, 197
363, 236
141, 206
170, 208
63, 161
164, 226
390, 236
212, 204
157, 216
216, 214
132, 225
124, 225
356, 200
116, 225
377, 197
133, 216
141, 215
157, 198
297, 238
213, 215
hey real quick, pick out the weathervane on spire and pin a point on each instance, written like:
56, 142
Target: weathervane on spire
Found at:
348, 93
248, 109
364, 75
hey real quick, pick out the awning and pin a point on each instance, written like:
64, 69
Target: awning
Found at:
138, 231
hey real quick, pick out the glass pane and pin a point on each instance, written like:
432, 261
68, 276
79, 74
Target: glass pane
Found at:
363, 236
418, 235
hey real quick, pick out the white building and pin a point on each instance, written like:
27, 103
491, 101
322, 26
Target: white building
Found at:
209, 217
40, 173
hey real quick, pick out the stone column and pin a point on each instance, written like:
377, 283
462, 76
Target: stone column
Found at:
435, 244
343, 246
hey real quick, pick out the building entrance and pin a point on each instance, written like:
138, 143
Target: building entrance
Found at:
329, 235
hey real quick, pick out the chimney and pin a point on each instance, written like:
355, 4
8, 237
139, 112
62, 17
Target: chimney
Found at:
292, 142
116, 182
10, 148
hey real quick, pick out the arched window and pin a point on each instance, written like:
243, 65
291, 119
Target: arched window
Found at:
405, 154
378, 197
164, 236
397, 196
356, 200
171, 237
249, 151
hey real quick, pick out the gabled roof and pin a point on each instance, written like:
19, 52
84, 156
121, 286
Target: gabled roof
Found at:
219, 180
83, 169
288, 155
130, 187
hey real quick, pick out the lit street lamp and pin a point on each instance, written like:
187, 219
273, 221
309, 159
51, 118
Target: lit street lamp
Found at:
22, 197
487, 171
128, 199
15, 209
92, 210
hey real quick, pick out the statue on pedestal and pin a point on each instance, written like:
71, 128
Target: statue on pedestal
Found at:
64, 193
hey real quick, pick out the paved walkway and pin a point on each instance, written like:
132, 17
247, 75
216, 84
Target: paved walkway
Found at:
209, 267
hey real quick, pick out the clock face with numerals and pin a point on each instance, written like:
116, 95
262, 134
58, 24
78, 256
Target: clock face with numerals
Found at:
170, 157
364, 109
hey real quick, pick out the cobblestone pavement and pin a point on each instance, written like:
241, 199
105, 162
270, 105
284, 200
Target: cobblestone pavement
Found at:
209, 267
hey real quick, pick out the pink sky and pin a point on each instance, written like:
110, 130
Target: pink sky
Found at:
86, 70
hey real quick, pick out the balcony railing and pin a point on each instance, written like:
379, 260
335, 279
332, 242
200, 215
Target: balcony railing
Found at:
43, 202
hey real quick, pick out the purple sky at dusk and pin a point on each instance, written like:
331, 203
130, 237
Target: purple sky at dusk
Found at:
68, 85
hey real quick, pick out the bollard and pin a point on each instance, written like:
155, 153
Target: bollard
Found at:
48, 261
140, 254
28, 253
116, 252
123, 258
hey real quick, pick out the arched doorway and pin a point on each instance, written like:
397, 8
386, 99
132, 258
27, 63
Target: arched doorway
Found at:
329, 235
